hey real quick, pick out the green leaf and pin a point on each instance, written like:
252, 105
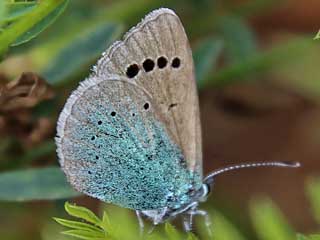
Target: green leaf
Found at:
205, 58
280, 55
81, 52
171, 232
9, 35
268, 221
301, 237
121, 217
83, 213
313, 191
3, 11
106, 224
302, 73
43, 149
41, 25
78, 225
35, 184
254, 8
314, 237
317, 36
223, 229
239, 40
191, 236
16, 10
82, 234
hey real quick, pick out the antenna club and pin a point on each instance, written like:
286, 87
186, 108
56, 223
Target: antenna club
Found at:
293, 164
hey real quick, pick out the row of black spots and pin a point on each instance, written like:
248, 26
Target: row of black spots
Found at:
146, 106
112, 114
148, 65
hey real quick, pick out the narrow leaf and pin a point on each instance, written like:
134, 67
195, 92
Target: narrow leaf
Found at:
43, 149
191, 236
16, 10
35, 184
106, 224
269, 223
82, 212
282, 54
81, 52
41, 25
301, 237
171, 232
205, 57
78, 225
317, 36
3, 11
314, 237
85, 234
238, 38
313, 191
222, 228
21, 26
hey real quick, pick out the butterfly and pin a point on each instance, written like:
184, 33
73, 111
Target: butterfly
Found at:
130, 134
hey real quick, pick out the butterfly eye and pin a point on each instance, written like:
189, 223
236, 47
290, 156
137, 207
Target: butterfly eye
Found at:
148, 65
132, 70
162, 62
176, 62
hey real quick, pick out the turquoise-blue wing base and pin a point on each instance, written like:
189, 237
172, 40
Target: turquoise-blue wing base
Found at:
114, 147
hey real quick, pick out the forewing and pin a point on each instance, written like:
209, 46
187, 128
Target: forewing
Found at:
156, 56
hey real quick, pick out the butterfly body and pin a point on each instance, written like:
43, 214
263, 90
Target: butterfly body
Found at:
189, 207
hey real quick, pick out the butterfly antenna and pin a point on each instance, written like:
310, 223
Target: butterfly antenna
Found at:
209, 179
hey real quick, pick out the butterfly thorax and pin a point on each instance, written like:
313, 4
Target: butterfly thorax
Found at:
194, 196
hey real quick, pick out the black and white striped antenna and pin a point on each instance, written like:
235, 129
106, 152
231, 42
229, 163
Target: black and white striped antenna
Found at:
210, 177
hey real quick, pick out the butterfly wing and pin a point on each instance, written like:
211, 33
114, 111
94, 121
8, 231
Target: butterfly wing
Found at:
113, 146
156, 56
130, 134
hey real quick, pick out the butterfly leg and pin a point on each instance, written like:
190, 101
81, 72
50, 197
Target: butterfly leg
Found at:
188, 221
141, 224
207, 219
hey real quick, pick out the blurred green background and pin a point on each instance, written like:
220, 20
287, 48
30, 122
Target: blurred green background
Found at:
257, 68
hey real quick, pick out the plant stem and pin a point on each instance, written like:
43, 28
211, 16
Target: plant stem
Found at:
16, 29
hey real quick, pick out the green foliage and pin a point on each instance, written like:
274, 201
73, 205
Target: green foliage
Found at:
239, 40
15, 10
205, 58
41, 25
171, 232
269, 222
279, 55
222, 228
267, 219
105, 229
2, 11
82, 52
313, 191
82, 212
79, 229
34, 184
22, 30
317, 36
